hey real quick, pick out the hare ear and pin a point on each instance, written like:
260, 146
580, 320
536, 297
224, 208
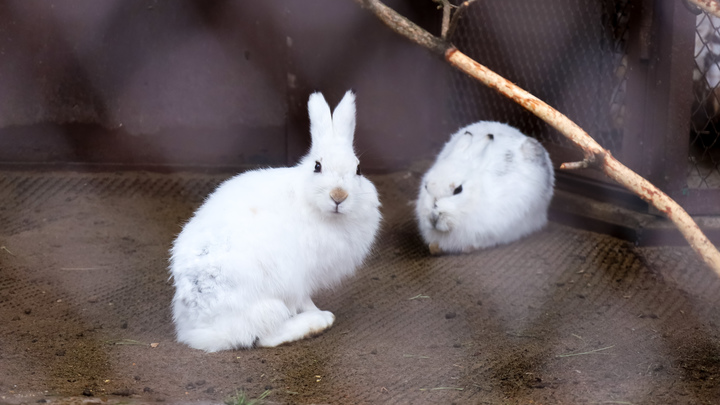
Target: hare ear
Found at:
321, 124
343, 118
480, 145
463, 143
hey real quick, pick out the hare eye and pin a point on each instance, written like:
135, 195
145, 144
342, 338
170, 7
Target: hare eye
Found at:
318, 167
457, 190
358, 171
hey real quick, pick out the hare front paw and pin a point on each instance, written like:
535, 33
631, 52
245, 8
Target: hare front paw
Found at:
434, 249
300, 326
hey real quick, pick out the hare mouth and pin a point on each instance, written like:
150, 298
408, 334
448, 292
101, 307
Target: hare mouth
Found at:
433, 218
439, 223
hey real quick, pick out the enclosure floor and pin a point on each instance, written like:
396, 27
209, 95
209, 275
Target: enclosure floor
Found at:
562, 317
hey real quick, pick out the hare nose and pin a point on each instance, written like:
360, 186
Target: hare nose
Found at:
338, 195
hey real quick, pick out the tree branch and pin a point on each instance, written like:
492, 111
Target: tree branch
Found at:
583, 164
710, 6
592, 151
456, 18
446, 7
404, 27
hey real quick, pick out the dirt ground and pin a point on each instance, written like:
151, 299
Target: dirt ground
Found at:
563, 317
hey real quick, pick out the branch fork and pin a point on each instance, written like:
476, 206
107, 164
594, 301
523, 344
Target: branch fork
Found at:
450, 19
591, 160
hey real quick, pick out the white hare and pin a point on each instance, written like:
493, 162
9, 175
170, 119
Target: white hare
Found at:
489, 185
247, 263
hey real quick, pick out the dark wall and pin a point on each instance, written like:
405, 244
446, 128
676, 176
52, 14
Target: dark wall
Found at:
224, 84
209, 83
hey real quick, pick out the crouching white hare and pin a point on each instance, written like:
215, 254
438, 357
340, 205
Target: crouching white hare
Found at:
489, 185
247, 263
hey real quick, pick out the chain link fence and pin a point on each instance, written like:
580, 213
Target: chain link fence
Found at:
704, 156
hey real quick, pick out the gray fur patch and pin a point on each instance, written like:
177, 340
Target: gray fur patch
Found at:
533, 151
507, 163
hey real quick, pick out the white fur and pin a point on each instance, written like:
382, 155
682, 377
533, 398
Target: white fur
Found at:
247, 263
507, 183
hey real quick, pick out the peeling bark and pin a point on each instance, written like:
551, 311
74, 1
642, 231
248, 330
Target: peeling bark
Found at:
594, 154
710, 6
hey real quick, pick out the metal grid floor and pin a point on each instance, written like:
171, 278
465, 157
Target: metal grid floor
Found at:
564, 316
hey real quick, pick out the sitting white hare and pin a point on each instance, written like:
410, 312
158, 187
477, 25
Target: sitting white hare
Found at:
489, 185
247, 263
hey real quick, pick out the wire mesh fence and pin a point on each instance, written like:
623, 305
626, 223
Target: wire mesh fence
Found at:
574, 55
571, 54
704, 156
